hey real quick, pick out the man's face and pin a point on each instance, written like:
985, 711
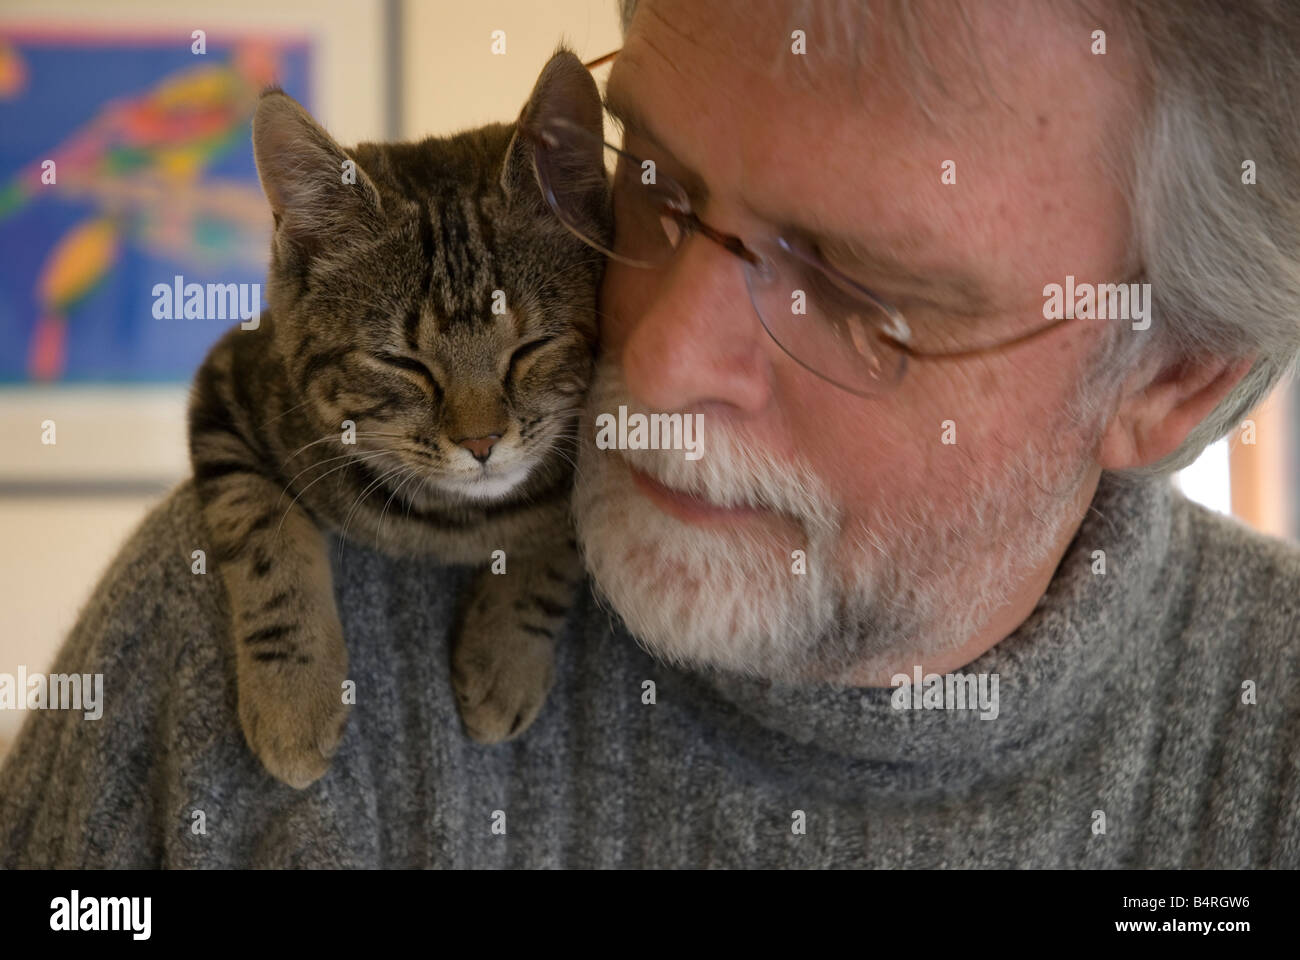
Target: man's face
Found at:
914, 550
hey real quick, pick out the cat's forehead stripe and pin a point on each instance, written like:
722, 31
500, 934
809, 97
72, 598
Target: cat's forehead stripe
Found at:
461, 261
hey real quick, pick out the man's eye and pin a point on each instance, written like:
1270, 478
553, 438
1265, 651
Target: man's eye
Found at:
828, 294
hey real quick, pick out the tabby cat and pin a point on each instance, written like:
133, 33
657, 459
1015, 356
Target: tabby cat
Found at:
414, 384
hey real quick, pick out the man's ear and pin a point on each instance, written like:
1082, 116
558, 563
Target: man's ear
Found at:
319, 197
1158, 411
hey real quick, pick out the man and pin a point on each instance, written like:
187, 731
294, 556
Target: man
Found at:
926, 597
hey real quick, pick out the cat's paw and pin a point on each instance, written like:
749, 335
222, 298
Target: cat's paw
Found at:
293, 714
501, 678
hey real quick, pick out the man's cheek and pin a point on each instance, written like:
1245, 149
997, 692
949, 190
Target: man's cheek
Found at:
945, 405
853, 443
622, 288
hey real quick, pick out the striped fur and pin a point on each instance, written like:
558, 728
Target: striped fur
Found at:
380, 314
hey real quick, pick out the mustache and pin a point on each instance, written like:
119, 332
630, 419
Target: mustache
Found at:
733, 470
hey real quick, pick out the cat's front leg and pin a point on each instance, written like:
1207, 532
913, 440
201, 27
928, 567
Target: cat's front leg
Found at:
291, 660
503, 652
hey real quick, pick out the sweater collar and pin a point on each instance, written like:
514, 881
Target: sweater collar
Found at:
1054, 672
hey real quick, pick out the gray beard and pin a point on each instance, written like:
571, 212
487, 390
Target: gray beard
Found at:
896, 586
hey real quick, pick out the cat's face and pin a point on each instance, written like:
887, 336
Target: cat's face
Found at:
460, 338
435, 302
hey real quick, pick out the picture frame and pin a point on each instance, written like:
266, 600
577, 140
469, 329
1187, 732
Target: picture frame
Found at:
103, 409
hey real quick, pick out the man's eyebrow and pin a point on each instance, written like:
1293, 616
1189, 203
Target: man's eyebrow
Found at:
862, 262
866, 263
628, 114
633, 120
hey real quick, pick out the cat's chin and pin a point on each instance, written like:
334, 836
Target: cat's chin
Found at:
482, 489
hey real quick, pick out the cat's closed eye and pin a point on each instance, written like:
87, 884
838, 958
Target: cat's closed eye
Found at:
524, 351
411, 364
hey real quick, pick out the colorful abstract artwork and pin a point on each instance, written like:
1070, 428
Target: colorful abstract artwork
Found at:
125, 162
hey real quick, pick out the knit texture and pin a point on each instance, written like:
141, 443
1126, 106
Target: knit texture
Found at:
1121, 695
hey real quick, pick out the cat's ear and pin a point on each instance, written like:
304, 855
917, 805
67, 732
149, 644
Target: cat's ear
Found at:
564, 90
320, 198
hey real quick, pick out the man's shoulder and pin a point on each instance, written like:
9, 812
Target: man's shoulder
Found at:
160, 588
121, 790
1226, 682
164, 585
79, 788
1243, 584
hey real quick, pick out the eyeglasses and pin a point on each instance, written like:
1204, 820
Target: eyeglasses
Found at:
824, 320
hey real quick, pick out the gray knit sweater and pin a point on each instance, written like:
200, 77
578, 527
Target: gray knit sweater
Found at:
1121, 694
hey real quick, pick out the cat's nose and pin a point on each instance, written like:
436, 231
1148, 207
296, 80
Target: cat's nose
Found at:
480, 447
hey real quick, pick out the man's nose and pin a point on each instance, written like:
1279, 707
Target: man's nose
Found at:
693, 338
479, 447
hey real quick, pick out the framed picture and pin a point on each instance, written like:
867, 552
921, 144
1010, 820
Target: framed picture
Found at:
126, 173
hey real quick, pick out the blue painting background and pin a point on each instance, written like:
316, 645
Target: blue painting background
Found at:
110, 334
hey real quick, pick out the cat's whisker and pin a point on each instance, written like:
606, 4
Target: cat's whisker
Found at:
570, 461
311, 466
406, 478
332, 436
335, 436
410, 500
362, 496
341, 466
296, 406
320, 463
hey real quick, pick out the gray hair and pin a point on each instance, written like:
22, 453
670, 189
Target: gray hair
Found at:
1221, 87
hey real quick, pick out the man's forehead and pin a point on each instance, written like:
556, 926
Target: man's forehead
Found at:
952, 59
822, 46
858, 158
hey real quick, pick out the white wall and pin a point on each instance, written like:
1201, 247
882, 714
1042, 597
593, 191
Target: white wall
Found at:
454, 81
